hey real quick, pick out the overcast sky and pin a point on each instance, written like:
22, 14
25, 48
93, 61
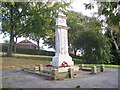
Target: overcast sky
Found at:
77, 6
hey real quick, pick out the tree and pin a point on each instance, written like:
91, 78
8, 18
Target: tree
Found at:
6, 41
85, 33
111, 10
114, 37
95, 45
26, 18
50, 41
13, 15
76, 22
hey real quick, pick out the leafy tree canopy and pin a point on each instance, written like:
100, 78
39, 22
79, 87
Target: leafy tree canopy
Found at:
95, 45
28, 18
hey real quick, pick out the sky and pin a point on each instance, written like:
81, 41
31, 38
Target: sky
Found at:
77, 6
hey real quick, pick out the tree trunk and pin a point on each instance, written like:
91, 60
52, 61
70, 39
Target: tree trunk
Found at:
15, 44
16, 39
38, 44
75, 51
10, 48
114, 42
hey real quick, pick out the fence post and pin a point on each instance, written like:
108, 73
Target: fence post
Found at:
81, 66
102, 68
40, 67
36, 69
70, 72
54, 74
93, 70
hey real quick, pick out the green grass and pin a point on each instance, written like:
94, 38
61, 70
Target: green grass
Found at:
23, 60
106, 65
28, 56
35, 56
17, 63
6, 88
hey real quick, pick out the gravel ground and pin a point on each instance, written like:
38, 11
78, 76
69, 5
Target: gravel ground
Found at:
21, 79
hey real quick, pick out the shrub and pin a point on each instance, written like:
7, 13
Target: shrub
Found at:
35, 52
29, 51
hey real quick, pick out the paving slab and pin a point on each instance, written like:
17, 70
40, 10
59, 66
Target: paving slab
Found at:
21, 79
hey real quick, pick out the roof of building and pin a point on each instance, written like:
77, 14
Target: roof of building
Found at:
26, 42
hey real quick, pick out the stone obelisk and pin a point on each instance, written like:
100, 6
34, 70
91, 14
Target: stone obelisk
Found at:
61, 43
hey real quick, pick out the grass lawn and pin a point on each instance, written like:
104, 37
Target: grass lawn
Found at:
106, 65
19, 61
23, 60
32, 56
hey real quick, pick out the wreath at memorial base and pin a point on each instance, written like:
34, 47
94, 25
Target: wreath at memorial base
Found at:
64, 64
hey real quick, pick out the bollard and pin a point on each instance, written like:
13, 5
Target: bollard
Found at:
40, 67
70, 72
93, 70
36, 69
81, 66
102, 68
54, 74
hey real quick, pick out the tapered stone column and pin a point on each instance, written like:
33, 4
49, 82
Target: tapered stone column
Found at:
61, 43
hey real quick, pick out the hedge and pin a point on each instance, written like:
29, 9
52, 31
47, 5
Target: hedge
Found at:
35, 52
29, 51
4, 48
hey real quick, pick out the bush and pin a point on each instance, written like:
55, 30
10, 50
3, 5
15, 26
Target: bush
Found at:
35, 52
96, 46
115, 59
74, 56
77, 61
29, 51
4, 48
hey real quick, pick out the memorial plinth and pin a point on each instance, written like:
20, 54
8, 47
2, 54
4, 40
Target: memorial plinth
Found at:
61, 58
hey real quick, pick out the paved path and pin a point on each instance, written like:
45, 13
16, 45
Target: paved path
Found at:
20, 79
